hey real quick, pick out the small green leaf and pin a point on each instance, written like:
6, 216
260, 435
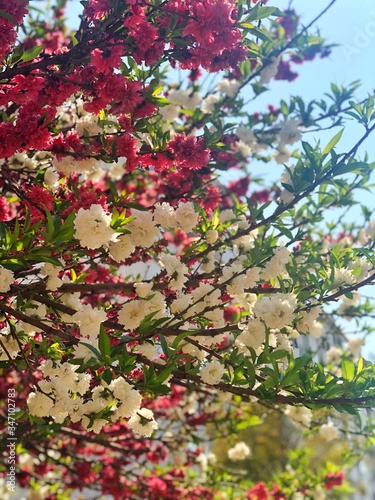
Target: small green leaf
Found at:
32, 53
332, 143
104, 343
8, 17
348, 369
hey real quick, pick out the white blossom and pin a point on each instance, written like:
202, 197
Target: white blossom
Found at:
269, 71
39, 404
228, 87
329, 431
300, 415
354, 346
184, 98
253, 335
289, 132
208, 104
333, 355
51, 179
164, 215
132, 314
9, 347
212, 372
186, 216
122, 248
6, 279
276, 311
52, 272
143, 289
92, 227
142, 422
343, 276
143, 229
89, 320
211, 236
170, 112
316, 329
282, 155
239, 452
175, 270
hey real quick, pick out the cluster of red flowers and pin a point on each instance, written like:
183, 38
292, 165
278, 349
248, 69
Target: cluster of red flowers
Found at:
11, 15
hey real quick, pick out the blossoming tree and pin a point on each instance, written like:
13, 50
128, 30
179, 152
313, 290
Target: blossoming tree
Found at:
148, 302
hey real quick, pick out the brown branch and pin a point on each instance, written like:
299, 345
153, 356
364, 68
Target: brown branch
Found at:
38, 324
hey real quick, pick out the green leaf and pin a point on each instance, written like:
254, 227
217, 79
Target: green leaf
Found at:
164, 345
8, 17
332, 143
360, 365
348, 369
104, 343
259, 12
32, 53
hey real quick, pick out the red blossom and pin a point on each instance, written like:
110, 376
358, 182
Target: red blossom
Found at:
258, 492
189, 152
4, 209
289, 22
240, 186
40, 199
334, 479
284, 72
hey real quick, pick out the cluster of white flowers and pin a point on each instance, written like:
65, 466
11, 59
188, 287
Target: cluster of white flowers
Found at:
142, 422
228, 87
6, 279
92, 227
52, 273
51, 179
122, 248
282, 155
143, 230
69, 165
367, 233
248, 138
175, 270
333, 355
170, 112
144, 227
64, 393
354, 346
88, 125
22, 160
133, 312
343, 276
89, 320
276, 311
289, 132
206, 301
208, 103
329, 431
186, 216
286, 196
269, 71
308, 323
253, 335
276, 265
300, 415
185, 98
164, 215
9, 347
239, 451
212, 372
